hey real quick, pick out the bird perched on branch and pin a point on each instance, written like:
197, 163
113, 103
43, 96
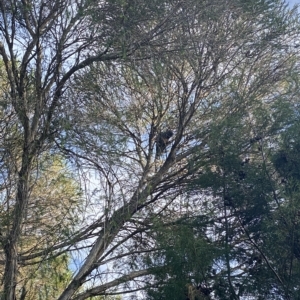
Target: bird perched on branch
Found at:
162, 141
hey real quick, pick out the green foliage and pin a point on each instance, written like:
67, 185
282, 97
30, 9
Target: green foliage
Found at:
287, 159
52, 211
249, 182
187, 258
47, 279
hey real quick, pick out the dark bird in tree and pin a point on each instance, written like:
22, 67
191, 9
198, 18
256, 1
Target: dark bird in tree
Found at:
255, 139
162, 141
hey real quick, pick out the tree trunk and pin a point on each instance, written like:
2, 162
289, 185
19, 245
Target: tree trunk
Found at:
11, 242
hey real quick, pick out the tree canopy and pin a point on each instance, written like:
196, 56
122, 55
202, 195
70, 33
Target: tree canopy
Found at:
150, 148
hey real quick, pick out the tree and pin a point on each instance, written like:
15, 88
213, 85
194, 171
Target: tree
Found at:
100, 82
51, 217
187, 257
43, 46
130, 104
249, 184
248, 212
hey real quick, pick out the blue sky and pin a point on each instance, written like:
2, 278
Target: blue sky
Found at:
292, 2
